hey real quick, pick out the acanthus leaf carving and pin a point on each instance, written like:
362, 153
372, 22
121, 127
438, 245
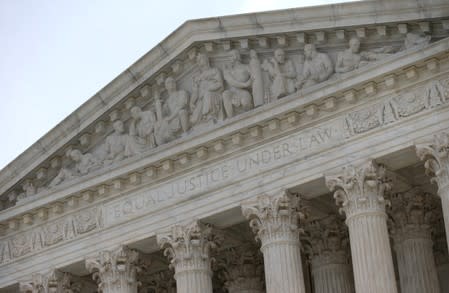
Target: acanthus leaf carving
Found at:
274, 217
326, 241
115, 270
189, 247
436, 160
360, 189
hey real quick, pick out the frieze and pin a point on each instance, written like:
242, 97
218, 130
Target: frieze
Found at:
215, 90
410, 102
49, 234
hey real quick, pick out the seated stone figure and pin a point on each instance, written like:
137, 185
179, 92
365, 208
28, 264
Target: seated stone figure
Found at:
317, 67
206, 101
238, 76
173, 114
351, 58
142, 128
118, 145
282, 73
83, 164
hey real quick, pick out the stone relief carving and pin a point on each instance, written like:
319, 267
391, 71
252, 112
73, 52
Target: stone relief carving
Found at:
142, 127
206, 101
281, 70
434, 94
160, 282
173, 115
317, 67
217, 94
238, 76
47, 235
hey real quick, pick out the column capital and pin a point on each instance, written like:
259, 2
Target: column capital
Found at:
51, 282
274, 218
413, 213
184, 245
436, 159
326, 241
360, 189
241, 269
115, 270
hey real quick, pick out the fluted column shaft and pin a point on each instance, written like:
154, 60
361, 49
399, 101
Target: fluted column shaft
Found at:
283, 266
194, 275
275, 221
331, 276
371, 254
444, 195
416, 264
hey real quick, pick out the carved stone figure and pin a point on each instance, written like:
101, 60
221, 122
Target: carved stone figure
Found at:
317, 67
118, 144
351, 58
83, 163
282, 73
173, 115
142, 127
256, 76
238, 76
207, 92
414, 40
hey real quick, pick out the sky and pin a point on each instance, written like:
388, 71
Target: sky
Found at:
56, 54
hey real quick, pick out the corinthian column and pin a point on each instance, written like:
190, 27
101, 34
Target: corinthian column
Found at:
360, 192
441, 255
436, 157
188, 249
326, 246
115, 271
274, 219
241, 269
413, 213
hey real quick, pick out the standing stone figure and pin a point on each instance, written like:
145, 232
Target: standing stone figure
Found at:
142, 128
207, 89
282, 73
238, 76
172, 116
351, 58
83, 165
317, 67
256, 76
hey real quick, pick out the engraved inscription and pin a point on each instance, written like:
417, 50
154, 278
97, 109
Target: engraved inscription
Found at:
298, 145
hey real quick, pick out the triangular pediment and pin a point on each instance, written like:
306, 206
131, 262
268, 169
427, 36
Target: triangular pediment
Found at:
215, 76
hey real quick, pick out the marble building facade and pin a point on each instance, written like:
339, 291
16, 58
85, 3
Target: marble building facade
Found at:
293, 151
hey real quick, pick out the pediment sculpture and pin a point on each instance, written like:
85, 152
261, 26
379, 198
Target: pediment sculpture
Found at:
212, 91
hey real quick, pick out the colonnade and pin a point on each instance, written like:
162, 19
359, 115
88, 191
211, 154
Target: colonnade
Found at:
278, 222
